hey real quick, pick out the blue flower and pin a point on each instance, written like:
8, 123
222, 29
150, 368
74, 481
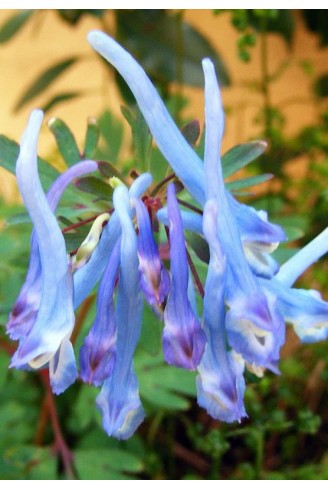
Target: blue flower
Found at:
154, 278
88, 276
119, 399
182, 158
48, 339
183, 338
220, 384
304, 309
254, 326
26, 307
98, 353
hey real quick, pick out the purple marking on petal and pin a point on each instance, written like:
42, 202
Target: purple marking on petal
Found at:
183, 338
27, 304
98, 352
154, 278
119, 399
55, 318
220, 384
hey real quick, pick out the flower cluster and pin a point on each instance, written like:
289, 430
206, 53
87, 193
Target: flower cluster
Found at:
247, 300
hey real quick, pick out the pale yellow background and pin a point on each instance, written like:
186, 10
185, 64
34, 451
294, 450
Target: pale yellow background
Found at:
46, 40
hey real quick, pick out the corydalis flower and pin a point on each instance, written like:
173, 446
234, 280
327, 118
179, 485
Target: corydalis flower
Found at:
182, 158
254, 327
304, 309
48, 338
119, 399
154, 279
27, 304
220, 384
183, 338
87, 276
98, 353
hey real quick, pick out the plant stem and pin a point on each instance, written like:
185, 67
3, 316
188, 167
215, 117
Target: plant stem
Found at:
265, 85
60, 446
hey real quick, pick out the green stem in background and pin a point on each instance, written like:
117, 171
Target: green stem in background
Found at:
259, 448
265, 85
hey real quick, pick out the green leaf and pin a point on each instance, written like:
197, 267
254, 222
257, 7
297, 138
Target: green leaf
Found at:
141, 137
108, 170
95, 186
35, 463
282, 22
9, 151
111, 131
14, 24
44, 80
161, 385
65, 141
168, 48
107, 464
237, 185
199, 246
91, 138
321, 86
191, 132
241, 155
58, 99
73, 16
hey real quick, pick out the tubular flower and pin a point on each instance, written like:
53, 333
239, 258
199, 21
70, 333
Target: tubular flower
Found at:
183, 338
304, 309
98, 353
220, 384
27, 304
254, 326
154, 278
172, 143
48, 338
87, 276
119, 399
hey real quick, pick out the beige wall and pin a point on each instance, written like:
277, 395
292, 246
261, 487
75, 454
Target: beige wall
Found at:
46, 40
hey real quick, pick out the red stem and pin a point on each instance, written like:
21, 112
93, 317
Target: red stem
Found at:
60, 446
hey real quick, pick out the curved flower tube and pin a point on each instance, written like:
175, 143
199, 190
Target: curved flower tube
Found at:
88, 276
257, 253
220, 384
48, 339
183, 338
305, 310
170, 140
154, 278
27, 304
119, 399
254, 327
98, 352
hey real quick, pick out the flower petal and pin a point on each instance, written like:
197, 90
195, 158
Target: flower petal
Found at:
98, 352
27, 304
119, 399
55, 318
303, 309
183, 338
220, 384
87, 277
154, 278
252, 313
